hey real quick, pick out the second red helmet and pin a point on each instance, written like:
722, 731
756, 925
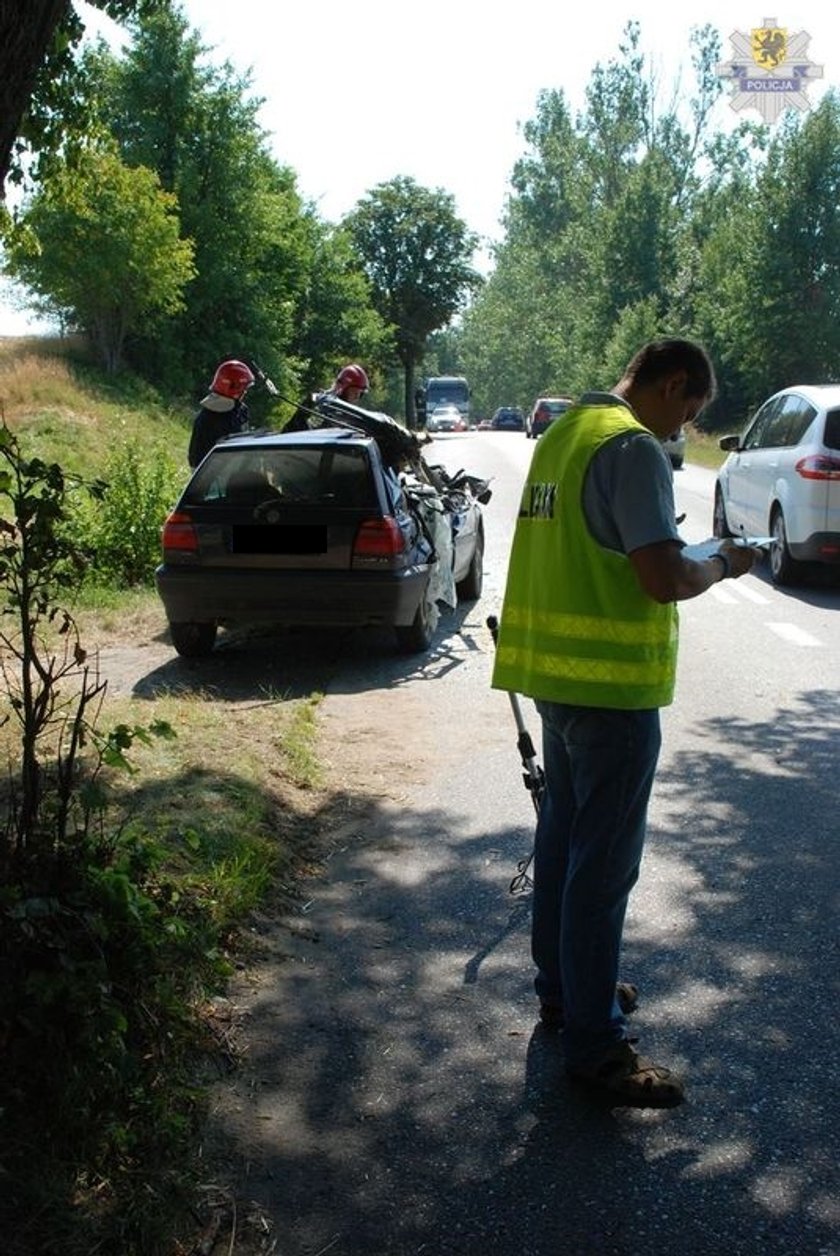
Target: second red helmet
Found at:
232, 379
352, 376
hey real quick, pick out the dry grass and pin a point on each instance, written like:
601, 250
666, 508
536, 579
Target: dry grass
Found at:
703, 449
29, 380
63, 413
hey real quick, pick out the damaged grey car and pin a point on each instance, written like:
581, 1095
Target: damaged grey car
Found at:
341, 524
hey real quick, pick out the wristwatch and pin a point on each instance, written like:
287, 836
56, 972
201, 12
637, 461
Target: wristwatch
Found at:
724, 559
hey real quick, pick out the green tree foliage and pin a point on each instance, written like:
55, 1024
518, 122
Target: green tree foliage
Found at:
197, 126
770, 275
41, 105
417, 254
597, 231
335, 321
100, 244
272, 282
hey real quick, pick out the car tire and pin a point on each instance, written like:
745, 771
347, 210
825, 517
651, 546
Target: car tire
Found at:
784, 569
677, 464
193, 640
720, 527
416, 637
469, 589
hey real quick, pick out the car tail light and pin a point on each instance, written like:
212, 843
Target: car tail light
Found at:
379, 538
179, 533
818, 467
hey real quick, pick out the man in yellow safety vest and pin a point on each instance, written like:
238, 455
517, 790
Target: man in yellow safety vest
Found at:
589, 630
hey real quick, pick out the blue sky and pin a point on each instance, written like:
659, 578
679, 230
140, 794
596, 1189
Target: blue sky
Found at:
356, 93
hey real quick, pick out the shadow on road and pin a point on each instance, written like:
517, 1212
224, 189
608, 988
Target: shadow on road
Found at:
397, 1098
249, 663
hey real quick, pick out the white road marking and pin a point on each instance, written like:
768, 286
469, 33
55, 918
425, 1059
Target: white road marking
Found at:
723, 595
730, 592
796, 636
750, 593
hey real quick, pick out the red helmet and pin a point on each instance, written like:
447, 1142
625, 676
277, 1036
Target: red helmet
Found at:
232, 379
351, 376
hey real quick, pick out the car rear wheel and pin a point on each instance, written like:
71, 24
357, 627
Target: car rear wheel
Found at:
416, 637
193, 641
784, 569
469, 589
720, 528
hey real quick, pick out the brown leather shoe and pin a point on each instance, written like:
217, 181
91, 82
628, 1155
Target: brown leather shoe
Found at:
629, 1079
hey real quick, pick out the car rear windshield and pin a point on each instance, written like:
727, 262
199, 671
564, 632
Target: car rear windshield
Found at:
311, 475
556, 407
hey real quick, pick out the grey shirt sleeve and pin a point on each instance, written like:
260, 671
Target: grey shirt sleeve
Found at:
628, 494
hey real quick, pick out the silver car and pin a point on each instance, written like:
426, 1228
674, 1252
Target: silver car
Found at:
675, 448
782, 478
446, 419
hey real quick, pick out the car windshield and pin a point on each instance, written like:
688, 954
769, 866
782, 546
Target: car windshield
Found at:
312, 474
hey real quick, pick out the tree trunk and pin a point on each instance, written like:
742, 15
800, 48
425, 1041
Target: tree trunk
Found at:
410, 411
26, 28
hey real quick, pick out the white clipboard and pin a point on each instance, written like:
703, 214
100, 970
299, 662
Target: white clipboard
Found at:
705, 549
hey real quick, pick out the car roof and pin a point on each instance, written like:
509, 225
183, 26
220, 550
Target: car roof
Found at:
821, 395
277, 440
566, 401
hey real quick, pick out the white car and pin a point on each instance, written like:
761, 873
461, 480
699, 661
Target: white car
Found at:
782, 478
446, 419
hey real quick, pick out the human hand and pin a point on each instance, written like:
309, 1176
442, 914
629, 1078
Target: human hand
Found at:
739, 558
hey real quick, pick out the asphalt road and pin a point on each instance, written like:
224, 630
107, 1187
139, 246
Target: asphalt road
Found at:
398, 1095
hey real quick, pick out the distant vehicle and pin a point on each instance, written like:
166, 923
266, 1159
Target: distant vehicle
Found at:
675, 449
508, 419
543, 412
444, 390
782, 478
314, 528
446, 419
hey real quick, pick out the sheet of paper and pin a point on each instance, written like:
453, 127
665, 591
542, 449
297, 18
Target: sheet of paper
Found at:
704, 549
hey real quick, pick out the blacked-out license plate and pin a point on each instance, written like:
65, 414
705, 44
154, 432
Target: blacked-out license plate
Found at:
252, 538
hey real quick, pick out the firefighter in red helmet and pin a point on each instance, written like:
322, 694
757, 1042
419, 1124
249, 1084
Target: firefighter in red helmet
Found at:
350, 383
223, 411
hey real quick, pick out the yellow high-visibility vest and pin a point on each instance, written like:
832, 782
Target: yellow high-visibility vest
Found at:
576, 626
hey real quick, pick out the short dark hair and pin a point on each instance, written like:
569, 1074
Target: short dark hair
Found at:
659, 358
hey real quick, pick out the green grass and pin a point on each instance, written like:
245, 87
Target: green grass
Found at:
299, 744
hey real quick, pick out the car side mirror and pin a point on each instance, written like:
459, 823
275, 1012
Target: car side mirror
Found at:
729, 443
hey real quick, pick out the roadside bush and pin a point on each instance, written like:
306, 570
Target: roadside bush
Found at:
120, 521
105, 942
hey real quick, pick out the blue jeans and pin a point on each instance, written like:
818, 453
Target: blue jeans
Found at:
599, 766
